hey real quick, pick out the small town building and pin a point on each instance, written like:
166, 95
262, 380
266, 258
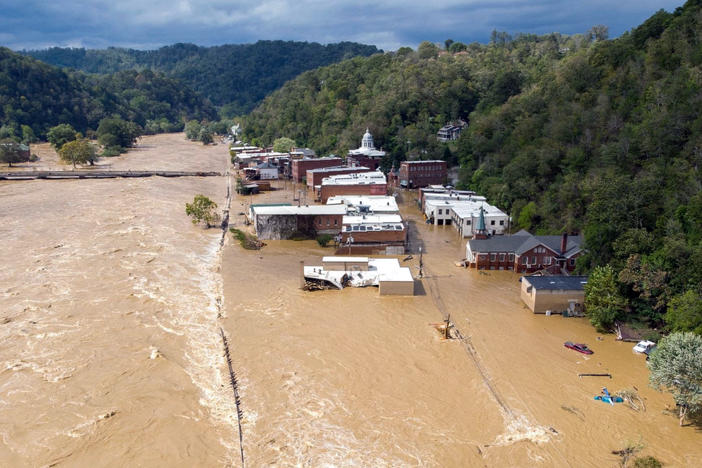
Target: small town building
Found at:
299, 153
554, 294
366, 204
377, 234
285, 221
267, 171
366, 155
523, 252
435, 192
365, 183
301, 166
466, 214
314, 177
385, 273
414, 174
451, 131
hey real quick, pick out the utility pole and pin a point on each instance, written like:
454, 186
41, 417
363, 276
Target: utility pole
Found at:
447, 335
421, 263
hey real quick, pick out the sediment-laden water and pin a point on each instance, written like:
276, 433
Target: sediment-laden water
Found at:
111, 303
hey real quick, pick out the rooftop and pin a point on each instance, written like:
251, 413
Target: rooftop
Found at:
551, 283
375, 203
372, 219
467, 209
356, 179
310, 210
338, 168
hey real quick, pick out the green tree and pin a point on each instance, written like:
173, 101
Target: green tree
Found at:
202, 209
114, 132
603, 302
192, 130
283, 144
205, 136
28, 135
685, 312
427, 50
13, 152
60, 135
676, 366
79, 151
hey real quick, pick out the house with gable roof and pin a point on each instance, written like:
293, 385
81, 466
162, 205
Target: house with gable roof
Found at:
524, 252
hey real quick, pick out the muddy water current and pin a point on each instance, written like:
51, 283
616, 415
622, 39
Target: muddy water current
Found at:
111, 303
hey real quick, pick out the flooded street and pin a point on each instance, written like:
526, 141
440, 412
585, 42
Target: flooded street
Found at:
111, 303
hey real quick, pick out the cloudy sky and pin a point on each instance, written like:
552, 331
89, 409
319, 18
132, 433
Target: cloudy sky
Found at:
388, 24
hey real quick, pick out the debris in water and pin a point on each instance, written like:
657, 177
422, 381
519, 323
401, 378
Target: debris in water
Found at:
107, 415
155, 353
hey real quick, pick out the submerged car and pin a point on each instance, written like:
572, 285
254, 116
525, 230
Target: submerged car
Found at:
644, 346
579, 347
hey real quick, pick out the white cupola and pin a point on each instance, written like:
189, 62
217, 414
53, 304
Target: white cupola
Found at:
367, 141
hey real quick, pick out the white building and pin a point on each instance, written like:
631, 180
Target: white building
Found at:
375, 204
465, 216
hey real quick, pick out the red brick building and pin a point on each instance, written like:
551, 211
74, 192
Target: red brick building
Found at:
525, 253
413, 174
301, 166
365, 183
314, 176
372, 162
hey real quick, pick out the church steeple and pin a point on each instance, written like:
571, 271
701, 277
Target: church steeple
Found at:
480, 229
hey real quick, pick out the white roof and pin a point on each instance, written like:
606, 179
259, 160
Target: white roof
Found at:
456, 196
467, 210
356, 179
310, 210
372, 219
372, 153
377, 203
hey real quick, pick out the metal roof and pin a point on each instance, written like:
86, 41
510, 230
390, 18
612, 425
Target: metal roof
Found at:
310, 210
551, 283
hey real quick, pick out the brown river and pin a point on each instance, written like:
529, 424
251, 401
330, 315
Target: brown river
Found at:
111, 304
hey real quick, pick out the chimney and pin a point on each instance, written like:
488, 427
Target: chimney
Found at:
564, 243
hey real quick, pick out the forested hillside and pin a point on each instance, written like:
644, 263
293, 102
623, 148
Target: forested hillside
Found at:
35, 97
580, 134
237, 77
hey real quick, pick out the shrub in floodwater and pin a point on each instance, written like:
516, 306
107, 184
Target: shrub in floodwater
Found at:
202, 209
647, 462
245, 240
324, 239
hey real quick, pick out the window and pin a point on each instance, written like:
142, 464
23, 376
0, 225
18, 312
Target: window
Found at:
502, 222
440, 211
547, 261
492, 257
336, 222
467, 222
524, 259
572, 262
327, 221
492, 223
502, 257
533, 260
511, 257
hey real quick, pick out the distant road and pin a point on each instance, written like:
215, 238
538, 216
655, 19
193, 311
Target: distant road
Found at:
30, 175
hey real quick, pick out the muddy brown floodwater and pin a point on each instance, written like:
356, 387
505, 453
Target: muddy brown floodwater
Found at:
111, 303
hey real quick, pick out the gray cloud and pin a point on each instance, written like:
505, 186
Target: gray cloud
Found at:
388, 24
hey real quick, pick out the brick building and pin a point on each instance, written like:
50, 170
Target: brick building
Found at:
301, 166
382, 234
366, 183
283, 221
366, 155
414, 174
524, 252
315, 176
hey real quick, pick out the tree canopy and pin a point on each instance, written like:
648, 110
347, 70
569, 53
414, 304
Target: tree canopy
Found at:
202, 209
676, 366
12, 152
79, 151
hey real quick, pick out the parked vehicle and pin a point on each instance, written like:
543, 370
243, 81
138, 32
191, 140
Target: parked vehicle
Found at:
579, 347
643, 346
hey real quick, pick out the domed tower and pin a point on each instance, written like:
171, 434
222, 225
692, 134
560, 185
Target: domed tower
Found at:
367, 141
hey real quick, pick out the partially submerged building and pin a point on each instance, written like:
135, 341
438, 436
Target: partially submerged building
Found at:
299, 167
385, 273
415, 174
365, 183
523, 252
315, 176
366, 204
286, 221
378, 234
554, 294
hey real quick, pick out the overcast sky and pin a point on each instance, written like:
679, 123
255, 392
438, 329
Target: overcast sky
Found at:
388, 24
